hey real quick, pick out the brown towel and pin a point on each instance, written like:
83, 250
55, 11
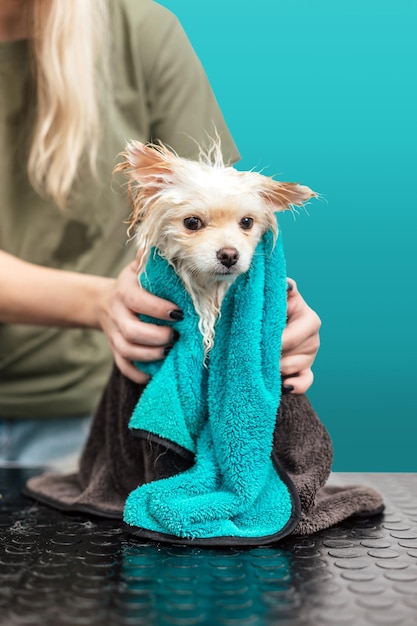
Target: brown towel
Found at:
115, 461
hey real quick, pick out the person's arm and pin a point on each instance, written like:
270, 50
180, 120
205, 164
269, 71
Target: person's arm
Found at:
32, 294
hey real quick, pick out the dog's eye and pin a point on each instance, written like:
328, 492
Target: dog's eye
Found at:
246, 223
193, 223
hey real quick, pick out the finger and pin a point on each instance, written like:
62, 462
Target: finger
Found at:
303, 332
294, 364
139, 352
146, 354
300, 383
133, 331
131, 371
159, 308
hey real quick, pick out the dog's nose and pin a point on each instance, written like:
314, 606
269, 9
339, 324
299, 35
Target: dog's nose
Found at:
228, 256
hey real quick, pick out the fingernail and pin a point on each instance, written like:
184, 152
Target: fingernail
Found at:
167, 350
175, 335
290, 286
287, 388
176, 314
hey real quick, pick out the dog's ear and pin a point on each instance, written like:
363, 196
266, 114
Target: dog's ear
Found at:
284, 195
149, 169
148, 165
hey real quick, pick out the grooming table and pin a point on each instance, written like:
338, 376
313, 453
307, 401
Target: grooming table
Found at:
67, 570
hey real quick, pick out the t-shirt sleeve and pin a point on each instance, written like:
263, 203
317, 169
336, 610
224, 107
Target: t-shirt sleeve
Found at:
184, 113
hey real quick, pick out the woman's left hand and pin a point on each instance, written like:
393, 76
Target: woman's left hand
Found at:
300, 343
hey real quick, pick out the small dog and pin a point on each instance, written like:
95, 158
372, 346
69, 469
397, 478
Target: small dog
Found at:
204, 218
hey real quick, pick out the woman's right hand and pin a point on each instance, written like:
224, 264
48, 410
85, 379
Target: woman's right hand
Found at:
131, 339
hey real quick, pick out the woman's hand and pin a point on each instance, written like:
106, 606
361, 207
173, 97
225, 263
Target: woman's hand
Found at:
131, 339
300, 343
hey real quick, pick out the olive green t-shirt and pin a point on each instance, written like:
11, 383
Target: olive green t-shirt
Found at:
159, 91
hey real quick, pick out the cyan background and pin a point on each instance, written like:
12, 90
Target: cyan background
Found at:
324, 93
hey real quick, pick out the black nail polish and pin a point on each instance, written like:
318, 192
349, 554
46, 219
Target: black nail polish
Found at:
176, 314
167, 350
290, 286
287, 388
175, 335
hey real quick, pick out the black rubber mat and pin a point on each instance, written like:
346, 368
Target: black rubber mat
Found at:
70, 570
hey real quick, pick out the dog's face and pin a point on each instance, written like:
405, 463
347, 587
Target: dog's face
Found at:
204, 218
214, 239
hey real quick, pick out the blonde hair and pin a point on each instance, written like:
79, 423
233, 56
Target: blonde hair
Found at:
69, 61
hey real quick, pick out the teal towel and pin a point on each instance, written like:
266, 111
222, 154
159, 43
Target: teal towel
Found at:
223, 412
